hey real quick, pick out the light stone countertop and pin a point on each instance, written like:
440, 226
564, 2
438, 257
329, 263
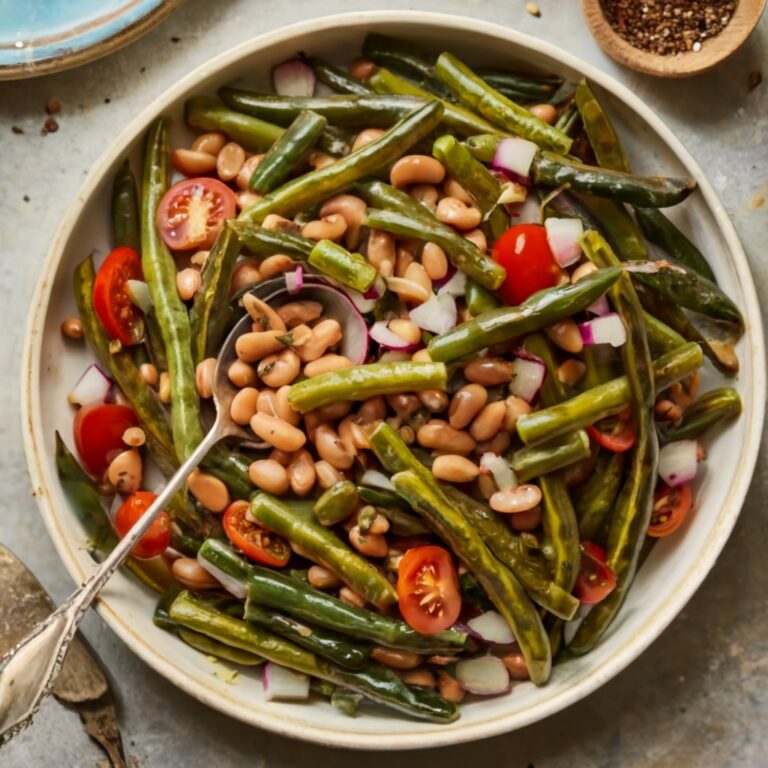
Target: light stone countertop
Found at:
697, 697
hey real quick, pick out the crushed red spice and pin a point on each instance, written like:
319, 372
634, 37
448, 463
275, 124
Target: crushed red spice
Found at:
668, 27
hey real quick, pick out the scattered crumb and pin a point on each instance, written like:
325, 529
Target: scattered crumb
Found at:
26, 200
533, 9
18, 131
53, 107
142, 70
175, 39
758, 201
107, 100
226, 674
212, 659
49, 126
755, 78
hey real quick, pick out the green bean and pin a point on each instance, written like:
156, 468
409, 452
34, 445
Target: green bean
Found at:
483, 146
279, 591
463, 254
323, 642
337, 503
519, 85
462, 121
659, 230
484, 188
266, 242
605, 399
206, 319
499, 583
211, 115
533, 461
381, 498
569, 121
346, 702
661, 337
617, 225
336, 78
704, 412
539, 310
475, 94
374, 682
594, 499
403, 524
211, 647
632, 509
602, 136
324, 547
364, 381
289, 152
337, 262
318, 185
125, 209
480, 299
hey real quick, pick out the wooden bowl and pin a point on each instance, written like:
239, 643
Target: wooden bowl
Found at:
712, 52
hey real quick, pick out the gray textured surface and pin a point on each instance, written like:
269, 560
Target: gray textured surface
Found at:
697, 697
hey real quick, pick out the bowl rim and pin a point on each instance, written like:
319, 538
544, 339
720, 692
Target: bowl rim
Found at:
39, 463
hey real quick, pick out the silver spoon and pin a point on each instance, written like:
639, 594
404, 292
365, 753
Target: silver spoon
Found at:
28, 670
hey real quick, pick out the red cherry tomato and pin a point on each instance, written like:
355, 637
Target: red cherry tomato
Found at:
193, 211
428, 589
260, 545
98, 430
616, 433
157, 538
524, 252
121, 318
595, 580
670, 508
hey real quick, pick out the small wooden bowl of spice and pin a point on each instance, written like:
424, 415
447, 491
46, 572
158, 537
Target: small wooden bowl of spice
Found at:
671, 38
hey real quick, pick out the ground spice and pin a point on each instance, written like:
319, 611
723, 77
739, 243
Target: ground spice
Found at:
668, 26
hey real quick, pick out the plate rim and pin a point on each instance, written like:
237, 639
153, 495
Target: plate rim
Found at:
431, 736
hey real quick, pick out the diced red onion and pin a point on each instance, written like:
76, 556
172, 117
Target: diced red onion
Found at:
375, 479
608, 329
388, 339
443, 280
528, 374
362, 304
492, 628
599, 307
436, 315
138, 293
484, 676
498, 466
294, 281
528, 212
678, 462
282, 683
230, 583
94, 386
456, 286
377, 289
514, 155
564, 236
293, 78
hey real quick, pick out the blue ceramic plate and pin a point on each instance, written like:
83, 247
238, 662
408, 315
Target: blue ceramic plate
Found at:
42, 36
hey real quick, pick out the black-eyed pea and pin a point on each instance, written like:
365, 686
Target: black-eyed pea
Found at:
416, 169
489, 421
125, 472
275, 265
406, 330
278, 433
300, 313
134, 437
426, 194
466, 403
346, 436
421, 356
362, 69
334, 411
278, 223
455, 469
256, 345
280, 369
72, 328
330, 447
441, 436
515, 500
478, 238
211, 492
164, 388
321, 578
188, 283
516, 407
381, 252
434, 400
587, 268
404, 405
301, 472
198, 258
351, 597
211, 142
488, 371
434, 261
312, 420
366, 136
498, 444
545, 112
190, 574
486, 485
243, 405
403, 257
192, 162
230, 161
245, 274
241, 374
243, 179
320, 160
526, 521
395, 658
204, 373
373, 409
325, 335
368, 544
149, 374
266, 402
283, 407
379, 525
326, 364
516, 665
571, 372
421, 678
270, 476
353, 209
566, 335
260, 312
408, 290
457, 214
416, 273
327, 474
331, 227
449, 687
452, 188
281, 457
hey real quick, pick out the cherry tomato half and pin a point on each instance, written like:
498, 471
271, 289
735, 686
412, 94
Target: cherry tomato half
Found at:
524, 252
260, 545
616, 433
595, 580
157, 538
98, 430
121, 318
193, 211
428, 589
670, 508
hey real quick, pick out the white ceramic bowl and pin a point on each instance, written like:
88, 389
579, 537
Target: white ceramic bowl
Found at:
668, 578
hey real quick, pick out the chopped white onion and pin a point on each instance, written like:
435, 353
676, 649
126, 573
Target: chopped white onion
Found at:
388, 339
512, 193
527, 212
527, 377
282, 683
93, 386
678, 462
484, 676
498, 466
607, 329
456, 286
437, 314
138, 293
293, 78
492, 628
230, 583
375, 479
564, 237
294, 281
515, 155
